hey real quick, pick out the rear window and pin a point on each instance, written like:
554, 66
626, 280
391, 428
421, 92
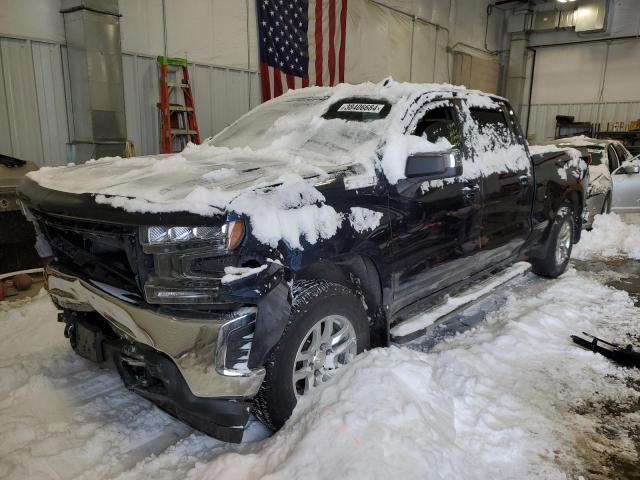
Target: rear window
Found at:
358, 110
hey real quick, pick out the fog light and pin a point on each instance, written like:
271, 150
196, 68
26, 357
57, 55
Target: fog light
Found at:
176, 295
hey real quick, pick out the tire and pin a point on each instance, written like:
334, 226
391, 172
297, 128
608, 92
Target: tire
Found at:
606, 206
314, 302
559, 245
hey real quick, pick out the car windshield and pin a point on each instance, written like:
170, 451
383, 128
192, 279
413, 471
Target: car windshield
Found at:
306, 123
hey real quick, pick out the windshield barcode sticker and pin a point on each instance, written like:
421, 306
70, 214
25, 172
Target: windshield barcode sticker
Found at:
361, 107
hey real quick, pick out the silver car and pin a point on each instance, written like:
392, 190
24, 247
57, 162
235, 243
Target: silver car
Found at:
604, 157
626, 187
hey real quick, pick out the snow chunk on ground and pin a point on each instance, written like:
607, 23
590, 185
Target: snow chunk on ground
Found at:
363, 219
610, 237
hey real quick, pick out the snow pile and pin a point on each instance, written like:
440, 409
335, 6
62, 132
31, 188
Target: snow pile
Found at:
497, 402
363, 219
610, 237
491, 403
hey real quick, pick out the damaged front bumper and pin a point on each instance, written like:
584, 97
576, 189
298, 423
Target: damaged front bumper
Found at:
209, 363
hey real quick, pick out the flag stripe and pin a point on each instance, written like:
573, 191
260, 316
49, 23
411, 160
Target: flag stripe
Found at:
343, 40
277, 83
318, 41
331, 39
291, 83
266, 87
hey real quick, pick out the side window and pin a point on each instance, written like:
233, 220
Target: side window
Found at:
493, 127
623, 153
613, 158
439, 123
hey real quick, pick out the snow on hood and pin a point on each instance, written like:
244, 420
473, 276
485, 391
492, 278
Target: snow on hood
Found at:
265, 165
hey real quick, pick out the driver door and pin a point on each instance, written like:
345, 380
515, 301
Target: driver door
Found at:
626, 189
436, 224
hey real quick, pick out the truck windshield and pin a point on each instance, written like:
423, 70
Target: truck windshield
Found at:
304, 123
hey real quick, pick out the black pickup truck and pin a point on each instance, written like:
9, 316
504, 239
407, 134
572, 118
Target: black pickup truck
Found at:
239, 274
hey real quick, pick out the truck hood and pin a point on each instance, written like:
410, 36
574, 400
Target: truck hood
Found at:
201, 179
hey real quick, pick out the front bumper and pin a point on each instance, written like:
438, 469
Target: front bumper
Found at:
196, 346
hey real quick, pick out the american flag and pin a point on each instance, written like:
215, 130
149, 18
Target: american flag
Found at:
302, 43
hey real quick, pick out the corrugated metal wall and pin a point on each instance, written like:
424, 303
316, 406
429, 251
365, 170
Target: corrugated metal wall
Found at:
34, 108
542, 121
594, 82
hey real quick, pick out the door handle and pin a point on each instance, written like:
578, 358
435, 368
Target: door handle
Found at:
524, 180
470, 190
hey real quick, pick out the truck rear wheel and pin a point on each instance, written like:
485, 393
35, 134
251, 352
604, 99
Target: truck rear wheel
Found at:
559, 246
327, 328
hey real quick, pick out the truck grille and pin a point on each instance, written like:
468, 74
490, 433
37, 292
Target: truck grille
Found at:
103, 252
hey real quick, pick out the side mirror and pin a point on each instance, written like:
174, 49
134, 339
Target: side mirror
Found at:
434, 165
631, 168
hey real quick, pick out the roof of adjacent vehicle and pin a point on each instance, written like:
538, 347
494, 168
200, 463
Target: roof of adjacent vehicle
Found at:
584, 141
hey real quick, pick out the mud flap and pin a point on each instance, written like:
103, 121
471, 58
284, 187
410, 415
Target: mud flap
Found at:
88, 341
273, 315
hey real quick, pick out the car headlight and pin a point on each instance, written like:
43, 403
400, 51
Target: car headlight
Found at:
230, 234
159, 234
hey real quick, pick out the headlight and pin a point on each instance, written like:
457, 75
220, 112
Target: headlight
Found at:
230, 234
159, 235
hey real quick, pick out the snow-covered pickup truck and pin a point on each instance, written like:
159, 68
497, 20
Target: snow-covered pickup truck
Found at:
243, 272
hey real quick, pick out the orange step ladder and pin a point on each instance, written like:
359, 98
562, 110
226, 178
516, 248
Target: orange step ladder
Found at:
178, 120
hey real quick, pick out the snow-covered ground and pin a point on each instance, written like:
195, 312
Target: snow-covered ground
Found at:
510, 398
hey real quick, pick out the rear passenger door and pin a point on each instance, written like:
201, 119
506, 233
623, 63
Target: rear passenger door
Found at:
507, 182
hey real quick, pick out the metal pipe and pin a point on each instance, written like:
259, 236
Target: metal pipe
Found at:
582, 42
248, 59
164, 27
533, 71
413, 36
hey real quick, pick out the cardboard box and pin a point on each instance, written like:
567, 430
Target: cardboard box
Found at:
634, 125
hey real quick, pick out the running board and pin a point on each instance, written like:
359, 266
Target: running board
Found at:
416, 326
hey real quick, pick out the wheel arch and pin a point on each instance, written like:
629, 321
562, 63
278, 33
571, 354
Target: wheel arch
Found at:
359, 273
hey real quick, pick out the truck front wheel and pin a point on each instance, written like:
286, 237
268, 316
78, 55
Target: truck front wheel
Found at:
327, 328
559, 246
